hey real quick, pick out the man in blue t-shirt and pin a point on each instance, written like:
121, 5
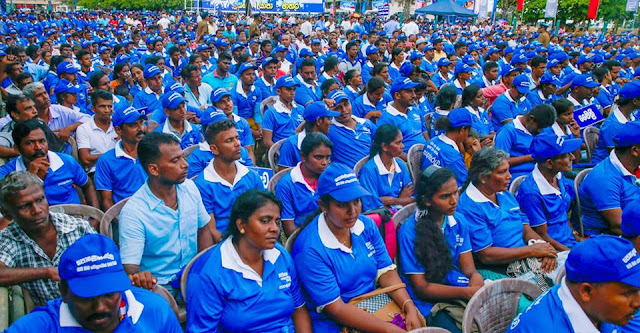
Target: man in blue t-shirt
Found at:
282, 119
631, 231
98, 296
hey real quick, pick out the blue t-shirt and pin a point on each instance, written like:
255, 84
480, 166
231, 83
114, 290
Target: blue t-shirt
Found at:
119, 173
504, 107
328, 270
237, 298
307, 93
64, 172
480, 121
610, 127
439, 80
514, 139
605, 97
266, 90
201, 156
290, 150
443, 152
281, 121
410, 124
191, 135
456, 235
361, 106
544, 204
351, 145
374, 177
608, 186
146, 312
535, 98
148, 101
297, 197
248, 105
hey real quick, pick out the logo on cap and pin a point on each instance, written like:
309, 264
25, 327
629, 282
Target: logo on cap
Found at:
347, 178
94, 258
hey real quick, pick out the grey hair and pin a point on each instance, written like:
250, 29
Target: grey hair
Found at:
30, 88
483, 163
14, 182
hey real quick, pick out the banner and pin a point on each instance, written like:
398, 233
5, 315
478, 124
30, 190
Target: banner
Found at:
587, 116
348, 5
520, 5
632, 5
551, 9
593, 9
265, 6
483, 8
383, 10
265, 175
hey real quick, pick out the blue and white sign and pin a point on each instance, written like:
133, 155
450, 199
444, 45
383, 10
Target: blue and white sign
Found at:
266, 6
265, 175
587, 116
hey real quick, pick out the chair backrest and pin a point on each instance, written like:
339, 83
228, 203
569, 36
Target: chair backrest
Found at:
82, 211
276, 178
292, 239
515, 184
111, 215
430, 330
74, 148
427, 121
591, 135
360, 164
414, 161
494, 306
273, 154
187, 151
576, 187
404, 213
185, 273
166, 295
267, 103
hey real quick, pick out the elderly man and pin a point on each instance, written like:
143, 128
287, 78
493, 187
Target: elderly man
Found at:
30, 247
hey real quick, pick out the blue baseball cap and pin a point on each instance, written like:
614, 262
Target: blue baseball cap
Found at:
521, 82
269, 60
371, 49
402, 84
338, 96
630, 90
428, 47
405, 69
217, 95
545, 146
286, 81
122, 58
316, 41
175, 87
151, 71
341, 183
444, 62
415, 55
126, 115
461, 67
604, 258
212, 115
469, 60
91, 266
552, 63
66, 67
172, 100
549, 78
221, 43
631, 218
586, 58
65, 86
628, 135
306, 53
202, 47
237, 46
493, 50
103, 49
246, 66
584, 80
280, 48
459, 117
317, 110
519, 59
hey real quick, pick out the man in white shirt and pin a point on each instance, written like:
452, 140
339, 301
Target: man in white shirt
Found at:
410, 28
97, 135
306, 28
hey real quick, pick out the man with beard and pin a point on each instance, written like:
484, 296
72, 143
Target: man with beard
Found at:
164, 224
58, 171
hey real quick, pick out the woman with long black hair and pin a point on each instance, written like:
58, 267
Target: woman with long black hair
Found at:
434, 249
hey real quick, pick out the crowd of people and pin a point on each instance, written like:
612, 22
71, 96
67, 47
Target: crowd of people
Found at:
101, 106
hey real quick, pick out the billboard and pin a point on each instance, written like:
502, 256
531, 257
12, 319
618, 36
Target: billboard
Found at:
266, 6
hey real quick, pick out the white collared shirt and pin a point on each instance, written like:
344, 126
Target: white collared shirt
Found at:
230, 259
211, 175
382, 170
120, 152
518, 125
543, 185
448, 141
394, 112
559, 131
297, 177
55, 162
330, 241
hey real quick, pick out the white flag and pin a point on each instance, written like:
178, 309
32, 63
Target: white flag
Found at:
551, 9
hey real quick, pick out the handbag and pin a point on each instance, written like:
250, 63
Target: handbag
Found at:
379, 304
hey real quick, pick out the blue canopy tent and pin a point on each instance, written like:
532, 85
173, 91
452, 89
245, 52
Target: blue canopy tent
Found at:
446, 8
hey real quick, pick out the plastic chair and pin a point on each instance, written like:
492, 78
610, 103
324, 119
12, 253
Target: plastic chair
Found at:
562, 273
187, 151
515, 184
185, 273
291, 240
430, 330
414, 161
273, 154
494, 306
82, 211
111, 215
591, 135
166, 295
276, 178
360, 164
404, 213
576, 187
427, 121
74, 149
267, 103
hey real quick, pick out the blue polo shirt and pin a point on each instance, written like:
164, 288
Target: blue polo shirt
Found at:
201, 156
237, 298
362, 105
158, 238
145, 312
558, 130
328, 270
410, 124
444, 152
191, 135
608, 186
307, 93
119, 173
608, 130
394, 72
535, 98
439, 80
148, 101
544, 204
266, 89
505, 108
281, 121
366, 71
290, 150
456, 235
499, 225
297, 197
514, 139
244, 131
480, 120
216, 81
381, 183
351, 145
605, 97
218, 195
557, 310
64, 172
248, 105
437, 114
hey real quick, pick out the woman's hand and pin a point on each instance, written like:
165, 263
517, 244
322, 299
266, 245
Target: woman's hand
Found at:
471, 290
407, 191
548, 264
543, 250
412, 318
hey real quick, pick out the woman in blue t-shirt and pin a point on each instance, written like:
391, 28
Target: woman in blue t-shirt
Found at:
473, 100
435, 250
250, 280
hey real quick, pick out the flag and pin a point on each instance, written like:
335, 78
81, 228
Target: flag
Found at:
632, 5
593, 9
520, 5
551, 9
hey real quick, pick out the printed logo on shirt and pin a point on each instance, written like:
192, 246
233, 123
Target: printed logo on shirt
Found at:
372, 250
459, 240
286, 279
68, 181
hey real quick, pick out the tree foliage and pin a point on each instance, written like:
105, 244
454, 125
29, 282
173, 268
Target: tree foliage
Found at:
576, 10
132, 4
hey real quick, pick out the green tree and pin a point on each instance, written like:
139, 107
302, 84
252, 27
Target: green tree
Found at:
132, 4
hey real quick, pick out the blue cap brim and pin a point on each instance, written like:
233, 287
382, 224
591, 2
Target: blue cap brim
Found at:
523, 90
289, 85
349, 193
632, 279
571, 145
100, 284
